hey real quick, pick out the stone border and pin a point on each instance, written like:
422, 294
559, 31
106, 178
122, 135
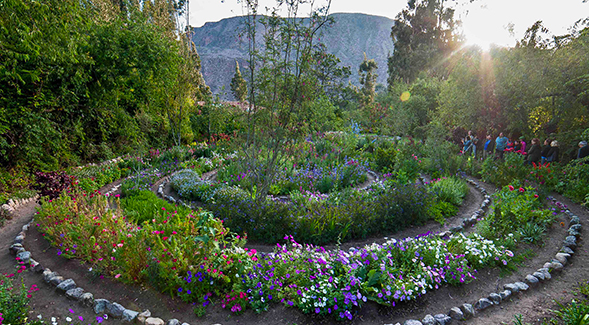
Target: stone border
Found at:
69, 288
543, 274
8, 210
476, 216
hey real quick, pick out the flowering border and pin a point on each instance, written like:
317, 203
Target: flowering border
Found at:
69, 288
543, 274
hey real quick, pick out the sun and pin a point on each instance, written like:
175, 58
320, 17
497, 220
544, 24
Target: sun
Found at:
482, 27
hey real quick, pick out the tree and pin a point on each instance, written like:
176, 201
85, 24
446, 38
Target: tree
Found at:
423, 34
238, 85
282, 83
367, 72
80, 80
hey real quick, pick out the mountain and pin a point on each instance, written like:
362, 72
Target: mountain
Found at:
351, 35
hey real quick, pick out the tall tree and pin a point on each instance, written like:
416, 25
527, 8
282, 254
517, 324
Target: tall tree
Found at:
238, 85
367, 72
424, 33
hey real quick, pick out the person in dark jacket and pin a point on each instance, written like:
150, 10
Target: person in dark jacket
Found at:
535, 153
583, 150
546, 148
552, 154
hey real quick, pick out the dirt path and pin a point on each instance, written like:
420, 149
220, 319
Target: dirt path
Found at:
533, 305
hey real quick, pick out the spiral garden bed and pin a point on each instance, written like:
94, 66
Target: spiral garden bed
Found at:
368, 314
402, 275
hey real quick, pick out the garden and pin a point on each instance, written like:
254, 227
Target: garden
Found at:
129, 192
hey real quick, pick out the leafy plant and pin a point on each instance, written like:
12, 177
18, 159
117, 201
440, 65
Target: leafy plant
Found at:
449, 189
51, 184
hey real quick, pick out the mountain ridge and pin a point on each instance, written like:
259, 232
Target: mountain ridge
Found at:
349, 37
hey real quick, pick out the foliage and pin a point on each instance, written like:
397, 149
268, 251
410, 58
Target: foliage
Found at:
503, 172
93, 177
518, 210
14, 300
318, 219
159, 252
144, 205
575, 312
449, 189
574, 181
84, 82
367, 72
238, 85
423, 34
51, 184
282, 82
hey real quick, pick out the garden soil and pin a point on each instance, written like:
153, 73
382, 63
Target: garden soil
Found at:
533, 305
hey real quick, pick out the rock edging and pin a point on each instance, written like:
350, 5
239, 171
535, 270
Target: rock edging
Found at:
530, 281
8, 210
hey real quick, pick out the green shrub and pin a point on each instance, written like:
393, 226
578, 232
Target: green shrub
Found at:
517, 210
145, 205
503, 172
441, 210
574, 180
449, 189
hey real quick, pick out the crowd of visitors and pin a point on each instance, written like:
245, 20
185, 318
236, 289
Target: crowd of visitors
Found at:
534, 154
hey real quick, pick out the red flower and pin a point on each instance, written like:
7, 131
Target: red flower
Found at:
511, 188
536, 195
521, 189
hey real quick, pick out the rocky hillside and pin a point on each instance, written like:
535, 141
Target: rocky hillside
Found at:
349, 38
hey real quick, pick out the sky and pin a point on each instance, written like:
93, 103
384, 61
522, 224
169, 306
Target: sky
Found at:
484, 21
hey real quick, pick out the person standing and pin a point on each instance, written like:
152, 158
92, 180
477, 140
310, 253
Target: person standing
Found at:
500, 145
467, 144
583, 150
474, 140
553, 153
535, 153
488, 148
522, 144
545, 149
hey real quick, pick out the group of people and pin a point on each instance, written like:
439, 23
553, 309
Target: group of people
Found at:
536, 153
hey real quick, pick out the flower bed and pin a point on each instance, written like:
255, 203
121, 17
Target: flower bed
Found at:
195, 257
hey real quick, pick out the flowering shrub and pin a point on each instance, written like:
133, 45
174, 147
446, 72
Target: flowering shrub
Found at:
14, 308
190, 186
195, 257
516, 209
91, 178
159, 251
315, 219
324, 282
544, 175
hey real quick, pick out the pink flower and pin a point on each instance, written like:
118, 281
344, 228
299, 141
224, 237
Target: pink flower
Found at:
117, 276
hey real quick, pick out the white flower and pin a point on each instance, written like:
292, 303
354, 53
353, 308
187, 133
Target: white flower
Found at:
39, 316
67, 319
